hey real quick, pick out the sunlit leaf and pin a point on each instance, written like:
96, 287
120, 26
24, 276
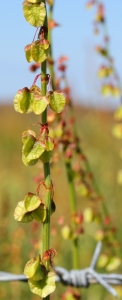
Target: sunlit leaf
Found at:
33, 269
38, 53
39, 105
31, 202
21, 215
34, 1
57, 101
28, 54
28, 140
34, 13
44, 287
34, 154
23, 101
40, 213
44, 44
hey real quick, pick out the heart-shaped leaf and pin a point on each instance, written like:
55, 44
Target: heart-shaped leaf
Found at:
40, 213
38, 53
56, 101
31, 202
21, 215
28, 139
44, 287
23, 101
39, 105
34, 13
34, 154
28, 53
33, 269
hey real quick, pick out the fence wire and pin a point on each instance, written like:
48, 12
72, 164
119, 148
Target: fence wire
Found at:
77, 278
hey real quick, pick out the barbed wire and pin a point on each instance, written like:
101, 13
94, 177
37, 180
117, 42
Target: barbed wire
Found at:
77, 278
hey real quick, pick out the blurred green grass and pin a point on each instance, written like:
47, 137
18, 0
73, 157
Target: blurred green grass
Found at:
17, 244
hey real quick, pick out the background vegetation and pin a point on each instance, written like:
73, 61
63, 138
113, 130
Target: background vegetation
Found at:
102, 149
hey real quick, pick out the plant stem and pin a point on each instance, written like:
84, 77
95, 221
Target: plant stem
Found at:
46, 224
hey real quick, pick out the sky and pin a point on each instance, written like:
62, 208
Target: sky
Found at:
73, 38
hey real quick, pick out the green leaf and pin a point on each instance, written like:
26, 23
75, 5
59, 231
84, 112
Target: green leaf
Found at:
49, 144
33, 269
44, 287
39, 105
46, 156
44, 44
34, 154
28, 54
23, 101
36, 91
34, 1
34, 13
21, 215
57, 101
40, 213
28, 139
31, 202
38, 53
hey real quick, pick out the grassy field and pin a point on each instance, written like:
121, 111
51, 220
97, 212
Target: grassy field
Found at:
16, 242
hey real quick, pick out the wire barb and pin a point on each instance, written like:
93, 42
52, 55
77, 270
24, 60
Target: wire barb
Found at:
78, 278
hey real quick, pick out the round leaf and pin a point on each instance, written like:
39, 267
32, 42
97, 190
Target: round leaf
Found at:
34, 154
31, 202
40, 105
23, 101
38, 53
34, 13
21, 215
57, 101
28, 53
33, 269
40, 213
29, 141
44, 287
